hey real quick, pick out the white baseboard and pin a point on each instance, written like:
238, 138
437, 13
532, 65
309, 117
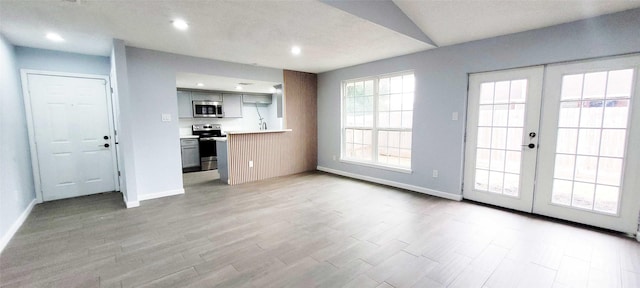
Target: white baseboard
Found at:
130, 204
394, 184
160, 194
16, 225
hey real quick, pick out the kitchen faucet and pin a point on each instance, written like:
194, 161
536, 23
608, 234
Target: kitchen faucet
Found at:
262, 125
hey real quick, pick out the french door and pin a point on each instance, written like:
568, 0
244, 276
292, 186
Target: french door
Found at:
575, 159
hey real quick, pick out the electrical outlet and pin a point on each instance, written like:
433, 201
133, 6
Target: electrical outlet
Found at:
251, 164
166, 117
334, 157
435, 173
454, 116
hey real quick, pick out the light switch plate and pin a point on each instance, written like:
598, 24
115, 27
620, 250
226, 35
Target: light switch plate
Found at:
435, 173
454, 116
166, 117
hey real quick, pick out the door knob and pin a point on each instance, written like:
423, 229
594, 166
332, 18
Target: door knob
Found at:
530, 145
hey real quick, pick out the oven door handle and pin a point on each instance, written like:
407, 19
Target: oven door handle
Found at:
207, 139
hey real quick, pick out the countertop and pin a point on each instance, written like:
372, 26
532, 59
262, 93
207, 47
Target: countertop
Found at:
257, 131
188, 136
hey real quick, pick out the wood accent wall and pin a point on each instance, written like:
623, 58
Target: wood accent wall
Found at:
285, 153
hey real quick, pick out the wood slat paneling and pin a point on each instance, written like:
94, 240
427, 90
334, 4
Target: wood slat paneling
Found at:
278, 154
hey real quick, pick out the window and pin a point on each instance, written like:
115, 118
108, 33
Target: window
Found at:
377, 118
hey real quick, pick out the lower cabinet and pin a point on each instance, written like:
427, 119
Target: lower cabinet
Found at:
190, 153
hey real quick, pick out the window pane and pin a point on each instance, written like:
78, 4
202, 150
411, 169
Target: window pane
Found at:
586, 167
383, 119
588, 141
407, 119
357, 136
613, 141
486, 93
516, 115
482, 158
396, 84
594, 85
349, 136
405, 140
512, 162
486, 115
511, 184
567, 140
564, 168
497, 160
384, 86
407, 101
606, 199
571, 87
395, 119
499, 138
349, 90
394, 139
496, 180
395, 102
610, 171
359, 89
514, 139
407, 83
591, 114
500, 115
619, 83
368, 87
518, 92
482, 180
569, 114
502, 92
615, 114
583, 195
561, 193
383, 102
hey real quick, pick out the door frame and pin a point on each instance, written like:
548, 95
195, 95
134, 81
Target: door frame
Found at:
522, 202
35, 164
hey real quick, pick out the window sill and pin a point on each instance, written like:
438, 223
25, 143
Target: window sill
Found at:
378, 166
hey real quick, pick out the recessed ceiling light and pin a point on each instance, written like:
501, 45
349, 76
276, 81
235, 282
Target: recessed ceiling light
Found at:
180, 24
238, 87
295, 50
55, 37
200, 84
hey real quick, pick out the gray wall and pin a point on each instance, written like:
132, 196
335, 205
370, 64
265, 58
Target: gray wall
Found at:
16, 178
441, 88
120, 85
152, 92
48, 60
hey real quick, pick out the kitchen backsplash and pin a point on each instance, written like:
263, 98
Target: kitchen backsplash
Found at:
249, 120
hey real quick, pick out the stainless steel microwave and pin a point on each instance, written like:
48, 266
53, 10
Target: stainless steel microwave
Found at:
207, 109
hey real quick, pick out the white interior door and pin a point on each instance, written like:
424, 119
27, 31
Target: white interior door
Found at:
503, 115
74, 142
589, 157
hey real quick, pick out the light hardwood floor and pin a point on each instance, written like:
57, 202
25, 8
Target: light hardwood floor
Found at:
307, 230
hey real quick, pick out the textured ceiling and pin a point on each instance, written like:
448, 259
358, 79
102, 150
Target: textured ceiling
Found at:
262, 32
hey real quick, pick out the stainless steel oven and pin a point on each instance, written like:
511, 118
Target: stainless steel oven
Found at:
208, 153
207, 109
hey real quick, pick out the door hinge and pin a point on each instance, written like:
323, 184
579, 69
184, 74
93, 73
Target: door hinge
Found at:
119, 174
115, 132
462, 188
111, 89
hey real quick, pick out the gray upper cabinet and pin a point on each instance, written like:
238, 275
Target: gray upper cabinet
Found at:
232, 105
256, 98
206, 96
184, 104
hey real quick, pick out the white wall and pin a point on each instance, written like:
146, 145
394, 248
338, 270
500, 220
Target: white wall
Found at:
441, 89
16, 177
152, 92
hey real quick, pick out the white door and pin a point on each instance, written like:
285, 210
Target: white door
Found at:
589, 162
502, 116
587, 167
71, 125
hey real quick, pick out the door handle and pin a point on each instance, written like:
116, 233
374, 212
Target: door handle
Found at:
105, 145
530, 145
